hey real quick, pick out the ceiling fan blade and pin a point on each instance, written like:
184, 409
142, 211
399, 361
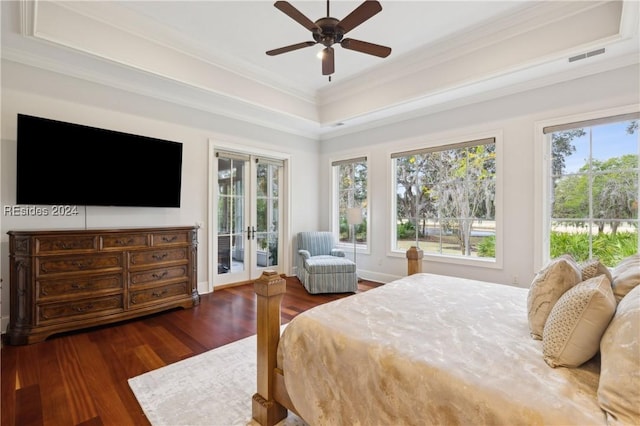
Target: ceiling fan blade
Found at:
328, 61
291, 47
360, 14
296, 15
365, 47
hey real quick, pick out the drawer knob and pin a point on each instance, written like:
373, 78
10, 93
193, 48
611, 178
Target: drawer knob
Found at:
160, 276
83, 308
125, 242
82, 265
77, 286
159, 293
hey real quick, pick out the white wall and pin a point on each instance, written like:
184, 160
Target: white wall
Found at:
37, 92
515, 117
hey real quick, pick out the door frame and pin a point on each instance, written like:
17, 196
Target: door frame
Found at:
243, 147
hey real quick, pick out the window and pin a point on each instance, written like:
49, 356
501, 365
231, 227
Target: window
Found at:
351, 181
593, 176
445, 200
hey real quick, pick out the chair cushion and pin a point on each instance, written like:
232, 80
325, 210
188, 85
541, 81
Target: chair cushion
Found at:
317, 243
328, 265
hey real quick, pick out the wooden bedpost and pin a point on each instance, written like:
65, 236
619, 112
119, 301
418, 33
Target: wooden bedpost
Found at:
270, 288
414, 260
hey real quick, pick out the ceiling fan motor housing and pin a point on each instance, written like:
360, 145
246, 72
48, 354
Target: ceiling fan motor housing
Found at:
330, 31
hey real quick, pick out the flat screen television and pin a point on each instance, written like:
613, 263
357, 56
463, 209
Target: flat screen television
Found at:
61, 163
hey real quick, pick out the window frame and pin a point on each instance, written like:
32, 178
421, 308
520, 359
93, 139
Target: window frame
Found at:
335, 202
542, 178
441, 145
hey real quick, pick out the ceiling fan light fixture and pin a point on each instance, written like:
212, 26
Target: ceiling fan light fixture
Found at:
329, 31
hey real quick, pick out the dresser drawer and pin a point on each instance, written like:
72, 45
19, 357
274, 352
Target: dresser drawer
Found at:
74, 287
54, 265
124, 241
170, 238
154, 295
157, 275
79, 309
67, 244
152, 257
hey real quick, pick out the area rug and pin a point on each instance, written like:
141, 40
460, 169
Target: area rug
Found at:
210, 389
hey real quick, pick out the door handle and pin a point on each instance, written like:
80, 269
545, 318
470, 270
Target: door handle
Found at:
248, 232
253, 232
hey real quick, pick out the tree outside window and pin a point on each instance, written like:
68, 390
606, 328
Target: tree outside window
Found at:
445, 199
352, 177
594, 181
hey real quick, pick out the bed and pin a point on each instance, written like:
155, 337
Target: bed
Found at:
425, 349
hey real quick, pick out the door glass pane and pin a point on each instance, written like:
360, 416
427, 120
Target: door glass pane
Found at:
263, 215
262, 180
267, 215
231, 211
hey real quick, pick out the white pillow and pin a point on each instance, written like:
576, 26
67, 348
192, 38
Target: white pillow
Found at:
548, 285
619, 386
577, 322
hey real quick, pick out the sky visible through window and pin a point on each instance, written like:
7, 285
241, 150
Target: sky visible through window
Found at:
609, 141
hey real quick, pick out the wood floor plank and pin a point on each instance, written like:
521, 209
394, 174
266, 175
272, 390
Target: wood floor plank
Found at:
81, 377
107, 399
8, 387
55, 399
29, 406
79, 401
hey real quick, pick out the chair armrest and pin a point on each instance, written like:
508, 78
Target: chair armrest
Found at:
304, 253
337, 252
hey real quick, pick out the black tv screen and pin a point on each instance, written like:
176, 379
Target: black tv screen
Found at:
62, 163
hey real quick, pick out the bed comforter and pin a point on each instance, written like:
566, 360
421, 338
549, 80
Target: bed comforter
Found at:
429, 349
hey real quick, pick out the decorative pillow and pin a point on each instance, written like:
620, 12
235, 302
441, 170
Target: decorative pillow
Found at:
548, 285
626, 276
592, 268
619, 386
577, 322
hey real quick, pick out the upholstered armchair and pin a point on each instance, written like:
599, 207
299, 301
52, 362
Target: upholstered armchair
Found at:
323, 268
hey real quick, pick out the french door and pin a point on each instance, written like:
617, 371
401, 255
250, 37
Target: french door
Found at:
248, 215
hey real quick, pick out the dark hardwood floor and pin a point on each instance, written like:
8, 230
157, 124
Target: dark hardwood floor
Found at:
80, 378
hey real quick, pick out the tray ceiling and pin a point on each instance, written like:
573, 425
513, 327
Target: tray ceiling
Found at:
211, 54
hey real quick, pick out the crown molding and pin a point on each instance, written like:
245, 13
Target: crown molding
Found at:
495, 88
73, 28
482, 62
128, 21
519, 40
154, 87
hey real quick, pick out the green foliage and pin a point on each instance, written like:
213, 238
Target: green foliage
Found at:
456, 184
562, 147
614, 191
487, 247
345, 230
609, 248
406, 230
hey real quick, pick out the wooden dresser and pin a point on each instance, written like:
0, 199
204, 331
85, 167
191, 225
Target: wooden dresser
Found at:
71, 279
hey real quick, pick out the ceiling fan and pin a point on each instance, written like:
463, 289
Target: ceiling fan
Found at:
329, 31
